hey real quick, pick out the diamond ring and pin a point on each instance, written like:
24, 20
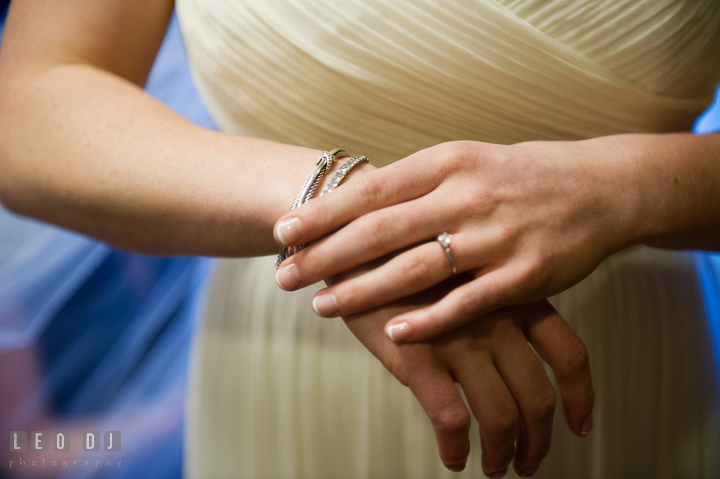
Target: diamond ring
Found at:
445, 241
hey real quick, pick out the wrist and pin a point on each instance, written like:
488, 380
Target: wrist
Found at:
593, 191
291, 184
678, 185
660, 189
621, 188
330, 170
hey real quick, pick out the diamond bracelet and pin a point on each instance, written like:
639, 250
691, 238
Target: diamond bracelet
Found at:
344, 170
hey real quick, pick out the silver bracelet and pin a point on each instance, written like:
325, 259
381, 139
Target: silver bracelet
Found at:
322, 166
344, 170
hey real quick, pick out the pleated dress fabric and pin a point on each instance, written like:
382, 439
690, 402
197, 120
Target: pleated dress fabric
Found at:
278, 393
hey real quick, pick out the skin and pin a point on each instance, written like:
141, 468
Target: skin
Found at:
519, 235
83, 147
501, 376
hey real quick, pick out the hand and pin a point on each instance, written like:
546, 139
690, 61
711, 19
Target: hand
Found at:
528, 221
503, 380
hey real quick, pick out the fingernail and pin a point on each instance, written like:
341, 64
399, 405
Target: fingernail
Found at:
499, 475
587, 426
289, 231
457, 467
287, 277
529, 471
325, 304
398, 332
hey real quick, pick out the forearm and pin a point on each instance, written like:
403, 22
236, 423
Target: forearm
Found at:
672, 182
90, 151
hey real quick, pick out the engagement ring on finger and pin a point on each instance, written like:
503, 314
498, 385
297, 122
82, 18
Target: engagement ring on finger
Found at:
445, 241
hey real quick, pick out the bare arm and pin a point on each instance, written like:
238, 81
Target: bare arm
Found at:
82, 146
677, 177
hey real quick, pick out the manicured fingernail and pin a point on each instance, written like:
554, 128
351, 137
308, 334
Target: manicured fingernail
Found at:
529, 471
287, 277
587, 426
499, 475
457, 467
289, 231
325, 304
398, 332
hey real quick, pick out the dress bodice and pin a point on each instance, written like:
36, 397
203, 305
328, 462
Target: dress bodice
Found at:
388, 78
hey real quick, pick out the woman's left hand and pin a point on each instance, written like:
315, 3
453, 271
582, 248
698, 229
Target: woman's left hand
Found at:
528, 221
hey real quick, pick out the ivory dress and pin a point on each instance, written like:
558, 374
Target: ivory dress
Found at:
279, 393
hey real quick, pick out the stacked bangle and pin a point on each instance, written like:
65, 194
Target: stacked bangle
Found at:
344, 170
323, 165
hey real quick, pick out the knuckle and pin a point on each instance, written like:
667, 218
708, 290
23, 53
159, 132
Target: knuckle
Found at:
578, 359
312, 262
452, 421
397, 368
529, 275
483, 199
460, 150
543, 448
473, 203
507, 234
503, 423
377, 230
415, 271
350, 298
369, 191
467, 302
314, 212
542, 408
526, 272
452, 156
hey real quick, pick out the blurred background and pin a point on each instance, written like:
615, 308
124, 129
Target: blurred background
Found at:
97, 339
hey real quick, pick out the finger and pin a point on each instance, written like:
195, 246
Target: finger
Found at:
365, 239
533, 392
486, 293
396, 183
410, 272
558, 345
494, 408
439, 398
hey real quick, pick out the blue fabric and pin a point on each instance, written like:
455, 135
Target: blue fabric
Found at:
709, 270
3, 11
708, 263
709, 121
102, 334
3, 14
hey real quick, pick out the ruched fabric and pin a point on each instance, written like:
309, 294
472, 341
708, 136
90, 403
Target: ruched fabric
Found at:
388, 78
278, 393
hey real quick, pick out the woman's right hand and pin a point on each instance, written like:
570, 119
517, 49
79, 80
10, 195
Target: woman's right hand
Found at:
503, 380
